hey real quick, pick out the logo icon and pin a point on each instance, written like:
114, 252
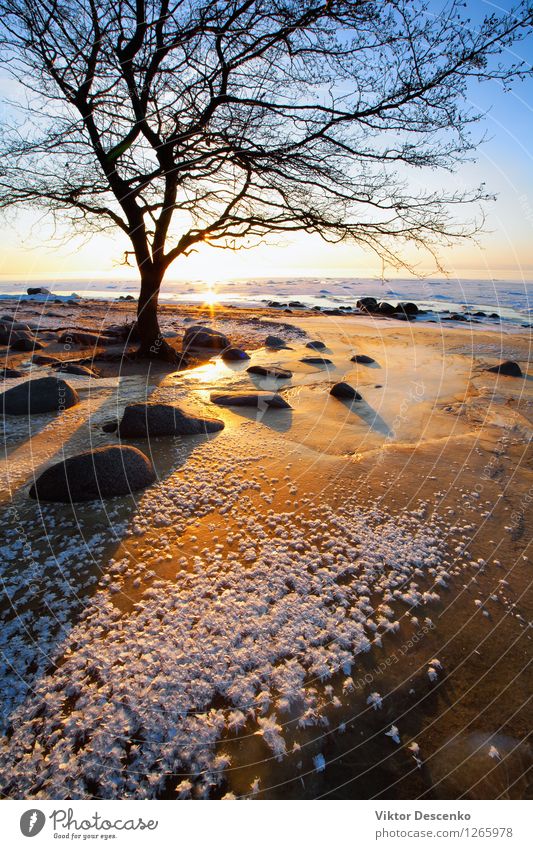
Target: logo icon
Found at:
32, 822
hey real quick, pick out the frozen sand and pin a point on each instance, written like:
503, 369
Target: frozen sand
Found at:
260, 576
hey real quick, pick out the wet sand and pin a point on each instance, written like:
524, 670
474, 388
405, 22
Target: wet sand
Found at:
413, 504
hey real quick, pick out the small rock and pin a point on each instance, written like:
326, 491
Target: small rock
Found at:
270, 371
362, 359
101, 473
149, 419
275, 342
509, 368
75, 368
38, 290
45, 360
199, 336
76, 337
256, 399
234, 354
7, 373
345, 392
316, 361
110, 426
25, 342
316, 346
44, 395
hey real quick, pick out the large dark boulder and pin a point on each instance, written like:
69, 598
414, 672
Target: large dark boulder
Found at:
101, 473
151, 419
270, 371
252, 399
44, 395
408, 308
367, 304
345, 392
198, 336
38, 290
316, 345
508, 368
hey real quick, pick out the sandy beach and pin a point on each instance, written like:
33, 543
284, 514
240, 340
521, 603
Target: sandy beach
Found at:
330, 600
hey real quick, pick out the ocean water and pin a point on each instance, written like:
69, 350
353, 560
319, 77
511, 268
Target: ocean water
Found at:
512, 300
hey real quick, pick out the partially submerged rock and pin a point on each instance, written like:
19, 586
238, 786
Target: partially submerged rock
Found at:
508, 368
101, 473
252, 399
43, 395
344, 392
270, 371
316, 361
151, 419
234, 355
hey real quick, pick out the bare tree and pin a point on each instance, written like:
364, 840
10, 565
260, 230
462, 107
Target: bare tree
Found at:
224, 121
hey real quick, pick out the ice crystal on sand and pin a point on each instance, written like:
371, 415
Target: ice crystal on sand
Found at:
134, 703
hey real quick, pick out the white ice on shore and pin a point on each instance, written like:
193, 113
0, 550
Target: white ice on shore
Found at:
118, 703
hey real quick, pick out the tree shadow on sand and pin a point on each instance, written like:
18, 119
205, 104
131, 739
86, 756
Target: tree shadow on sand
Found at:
55, 555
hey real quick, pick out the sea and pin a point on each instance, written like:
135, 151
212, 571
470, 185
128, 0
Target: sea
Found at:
510, 300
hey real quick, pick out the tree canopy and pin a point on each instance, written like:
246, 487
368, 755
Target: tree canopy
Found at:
225, 121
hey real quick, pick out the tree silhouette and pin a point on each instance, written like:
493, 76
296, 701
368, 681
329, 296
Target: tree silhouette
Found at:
225, 121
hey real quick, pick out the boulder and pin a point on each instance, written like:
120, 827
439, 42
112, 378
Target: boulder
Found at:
316, 361
345, 392
275, 342
494, 315
38, 290
151, 419
508, 368
255, 399
198, 336
384, 308
367, 304
316, 346
408, 308
270, 371
44, 395
101, 473
362, 359
234, 355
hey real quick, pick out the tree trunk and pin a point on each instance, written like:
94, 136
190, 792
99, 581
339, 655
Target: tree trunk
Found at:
152, 345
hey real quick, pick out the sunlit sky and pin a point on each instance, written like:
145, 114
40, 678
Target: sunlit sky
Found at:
503, 251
